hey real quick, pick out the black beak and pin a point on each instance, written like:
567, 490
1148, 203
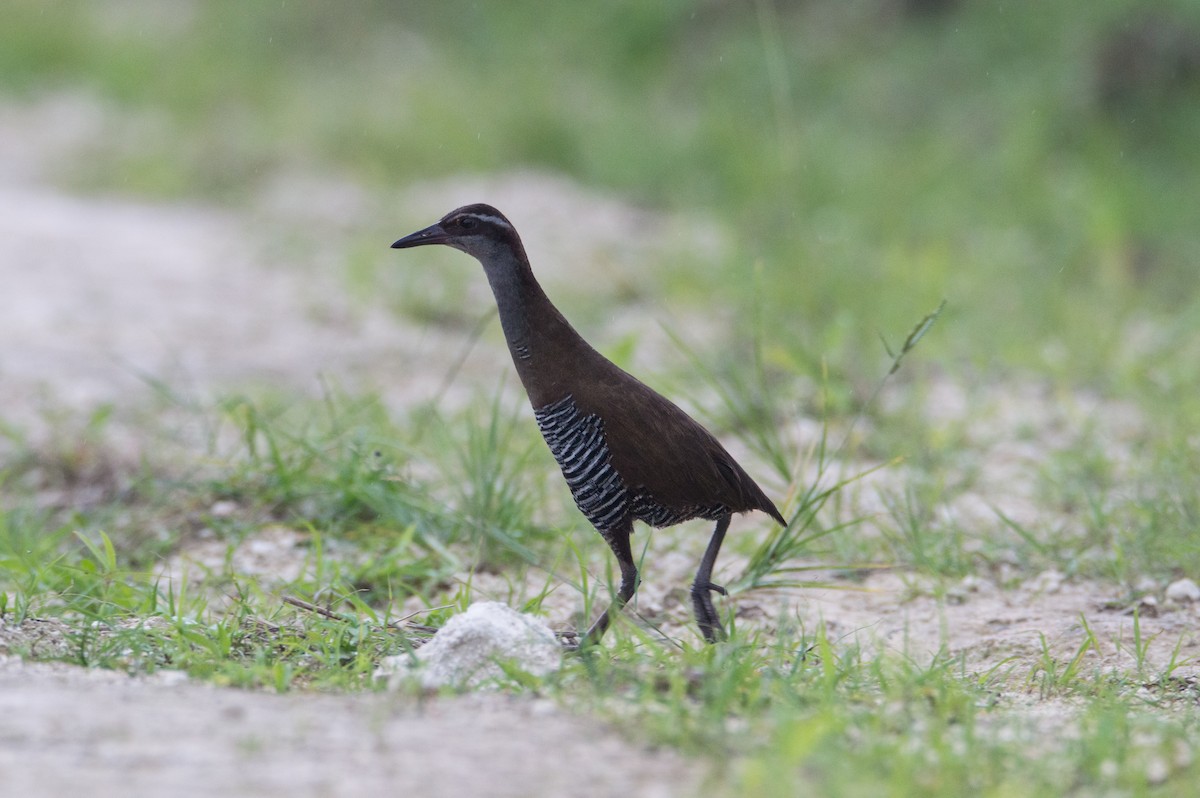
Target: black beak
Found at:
434, 234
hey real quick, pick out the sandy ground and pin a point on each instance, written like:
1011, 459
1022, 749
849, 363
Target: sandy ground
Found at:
104, 296
67, 731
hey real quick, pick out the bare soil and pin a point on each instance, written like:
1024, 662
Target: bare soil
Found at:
69, 731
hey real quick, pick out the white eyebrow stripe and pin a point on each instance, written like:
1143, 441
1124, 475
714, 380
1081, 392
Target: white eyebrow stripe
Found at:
496, 220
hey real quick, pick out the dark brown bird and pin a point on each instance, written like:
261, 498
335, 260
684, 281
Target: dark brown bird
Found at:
626, 452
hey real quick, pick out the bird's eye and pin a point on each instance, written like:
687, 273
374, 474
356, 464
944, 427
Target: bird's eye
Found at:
466, 223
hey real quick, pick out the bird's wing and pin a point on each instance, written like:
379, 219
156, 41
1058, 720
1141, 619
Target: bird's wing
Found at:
658, 447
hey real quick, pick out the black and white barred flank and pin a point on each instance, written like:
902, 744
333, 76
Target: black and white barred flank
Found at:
577, 443
647, 510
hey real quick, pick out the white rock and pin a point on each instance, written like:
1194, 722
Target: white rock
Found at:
1050, 581
1146, 584
170, 678
1183, 591
976, 584
469, 649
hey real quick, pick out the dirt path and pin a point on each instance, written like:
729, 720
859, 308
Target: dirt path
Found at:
67, 731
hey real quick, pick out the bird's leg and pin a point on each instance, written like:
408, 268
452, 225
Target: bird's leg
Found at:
706, 613
619, 542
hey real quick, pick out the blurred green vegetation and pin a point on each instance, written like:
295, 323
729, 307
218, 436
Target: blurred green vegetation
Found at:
872, 157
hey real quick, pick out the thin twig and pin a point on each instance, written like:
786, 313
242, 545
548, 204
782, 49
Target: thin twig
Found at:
403, 621
456, 366
310, 607
397, 625
915, 335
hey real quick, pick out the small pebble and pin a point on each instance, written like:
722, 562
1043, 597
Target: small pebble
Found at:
1146, 584
976, 584
170, 678
223, 509
1157, 770
1046, 582
1183, 591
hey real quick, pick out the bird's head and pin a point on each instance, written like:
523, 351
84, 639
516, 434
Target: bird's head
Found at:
478, 230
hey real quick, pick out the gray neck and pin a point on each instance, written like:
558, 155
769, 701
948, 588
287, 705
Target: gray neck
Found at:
545, 348
515, 290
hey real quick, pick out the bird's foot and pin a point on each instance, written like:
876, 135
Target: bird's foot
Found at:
706, 614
